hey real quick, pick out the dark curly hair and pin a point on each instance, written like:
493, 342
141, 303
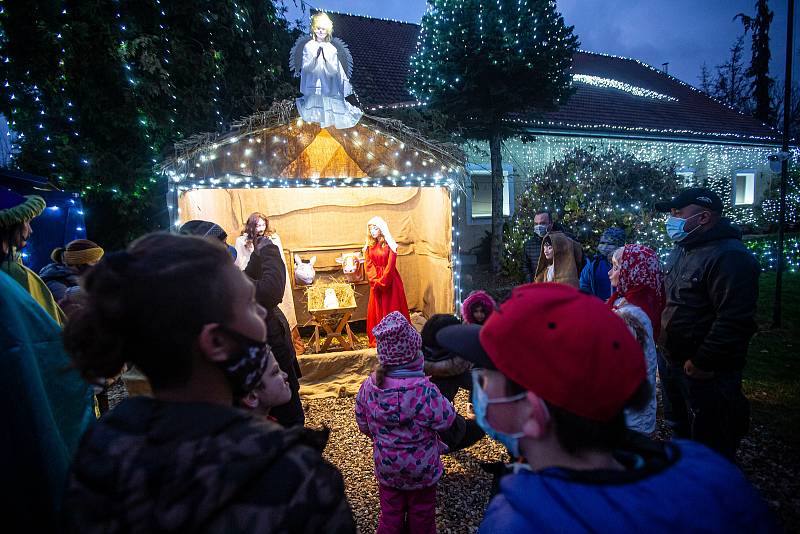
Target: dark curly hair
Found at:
147, 305
250, 226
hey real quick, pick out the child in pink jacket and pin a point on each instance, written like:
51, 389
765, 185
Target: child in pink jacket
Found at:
401, 410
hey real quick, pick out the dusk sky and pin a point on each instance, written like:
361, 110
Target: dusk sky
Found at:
682, 32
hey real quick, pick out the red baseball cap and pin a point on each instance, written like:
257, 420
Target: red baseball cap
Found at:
566, 346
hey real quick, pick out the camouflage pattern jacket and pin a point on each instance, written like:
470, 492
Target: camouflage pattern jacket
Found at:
151, 466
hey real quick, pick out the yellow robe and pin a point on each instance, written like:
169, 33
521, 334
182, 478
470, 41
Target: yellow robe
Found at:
35, 286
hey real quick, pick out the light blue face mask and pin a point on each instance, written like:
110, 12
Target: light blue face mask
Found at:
674, 227
540, 230
480, 402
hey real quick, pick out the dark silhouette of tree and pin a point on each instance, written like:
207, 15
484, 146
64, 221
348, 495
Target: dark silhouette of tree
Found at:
706, 83
730, 86
758, 70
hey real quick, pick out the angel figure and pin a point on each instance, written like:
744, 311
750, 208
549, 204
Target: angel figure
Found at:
324, 65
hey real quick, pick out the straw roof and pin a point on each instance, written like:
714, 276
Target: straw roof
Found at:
276, 145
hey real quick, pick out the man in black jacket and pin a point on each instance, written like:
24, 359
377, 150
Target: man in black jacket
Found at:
268, 272
711, 288
543, 223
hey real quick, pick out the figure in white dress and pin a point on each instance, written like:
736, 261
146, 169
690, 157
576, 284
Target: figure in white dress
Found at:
324, 65
257, 225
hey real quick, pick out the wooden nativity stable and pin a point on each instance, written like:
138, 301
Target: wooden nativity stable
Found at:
320, 186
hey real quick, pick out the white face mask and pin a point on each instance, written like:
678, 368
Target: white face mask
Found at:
375, 232
540, 230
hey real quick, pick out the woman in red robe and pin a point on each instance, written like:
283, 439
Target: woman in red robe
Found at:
386, 293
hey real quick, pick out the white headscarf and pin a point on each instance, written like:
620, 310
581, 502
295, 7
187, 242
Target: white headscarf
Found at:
384, 228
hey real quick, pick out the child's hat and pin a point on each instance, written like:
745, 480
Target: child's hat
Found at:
398, 342
567, 347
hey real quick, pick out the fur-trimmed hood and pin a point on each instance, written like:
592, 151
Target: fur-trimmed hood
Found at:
477, 297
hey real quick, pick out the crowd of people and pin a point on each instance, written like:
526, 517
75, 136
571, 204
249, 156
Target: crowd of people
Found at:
563, 374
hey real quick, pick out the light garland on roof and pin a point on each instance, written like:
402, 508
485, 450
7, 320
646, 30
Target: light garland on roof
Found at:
404, 105
639, 129
676, 80
598, 81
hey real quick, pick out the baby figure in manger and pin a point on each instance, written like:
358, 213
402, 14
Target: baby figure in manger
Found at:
324, 65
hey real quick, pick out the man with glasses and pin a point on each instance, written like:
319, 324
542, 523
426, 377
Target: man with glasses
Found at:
711, 284
555, 371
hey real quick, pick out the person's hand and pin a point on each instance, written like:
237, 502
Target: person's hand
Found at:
695, 372
319, 51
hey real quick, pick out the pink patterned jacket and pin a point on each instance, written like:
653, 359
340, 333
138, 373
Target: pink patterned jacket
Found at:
402, 420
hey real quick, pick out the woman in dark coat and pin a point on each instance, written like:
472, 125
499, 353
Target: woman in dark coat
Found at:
267, 270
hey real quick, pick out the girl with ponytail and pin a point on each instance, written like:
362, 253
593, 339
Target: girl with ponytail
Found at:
179, 309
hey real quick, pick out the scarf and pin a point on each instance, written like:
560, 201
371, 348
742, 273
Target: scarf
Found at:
641, 283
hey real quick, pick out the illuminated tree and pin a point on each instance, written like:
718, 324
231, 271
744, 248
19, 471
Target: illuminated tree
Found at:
481, 61
589, 191
98, 91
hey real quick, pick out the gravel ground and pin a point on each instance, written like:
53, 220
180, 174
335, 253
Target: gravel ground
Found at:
463, 491
771, 464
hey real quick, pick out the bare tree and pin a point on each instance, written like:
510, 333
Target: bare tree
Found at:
706, 83
777, 103
731, 86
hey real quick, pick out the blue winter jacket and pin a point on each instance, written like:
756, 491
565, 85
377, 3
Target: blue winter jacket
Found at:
594, 277
680, 486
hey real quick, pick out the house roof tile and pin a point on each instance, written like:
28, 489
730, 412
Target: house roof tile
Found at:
382, 48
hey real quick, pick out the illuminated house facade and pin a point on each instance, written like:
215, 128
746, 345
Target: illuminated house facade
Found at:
618, 103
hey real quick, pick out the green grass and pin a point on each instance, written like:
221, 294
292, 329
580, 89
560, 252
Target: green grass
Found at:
772, 375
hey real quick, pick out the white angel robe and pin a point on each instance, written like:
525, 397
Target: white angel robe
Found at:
324, 84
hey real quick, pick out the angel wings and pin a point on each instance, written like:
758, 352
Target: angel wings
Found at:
324, 68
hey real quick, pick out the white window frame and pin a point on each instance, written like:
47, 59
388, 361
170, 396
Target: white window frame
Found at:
485, 169
749, 195
687, 176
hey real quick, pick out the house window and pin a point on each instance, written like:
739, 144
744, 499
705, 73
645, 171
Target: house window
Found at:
480, 197
686, 176
744, 188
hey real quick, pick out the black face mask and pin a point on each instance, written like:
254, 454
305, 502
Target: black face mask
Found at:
245, 367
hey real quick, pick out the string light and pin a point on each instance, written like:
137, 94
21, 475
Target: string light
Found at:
65, 212
232, 162
766, 250
598, 81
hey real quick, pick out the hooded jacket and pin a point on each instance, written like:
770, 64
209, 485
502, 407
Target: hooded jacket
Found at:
151, 466
680, 486
567, 258
403, 418
477, 297
711, 281
58, 278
